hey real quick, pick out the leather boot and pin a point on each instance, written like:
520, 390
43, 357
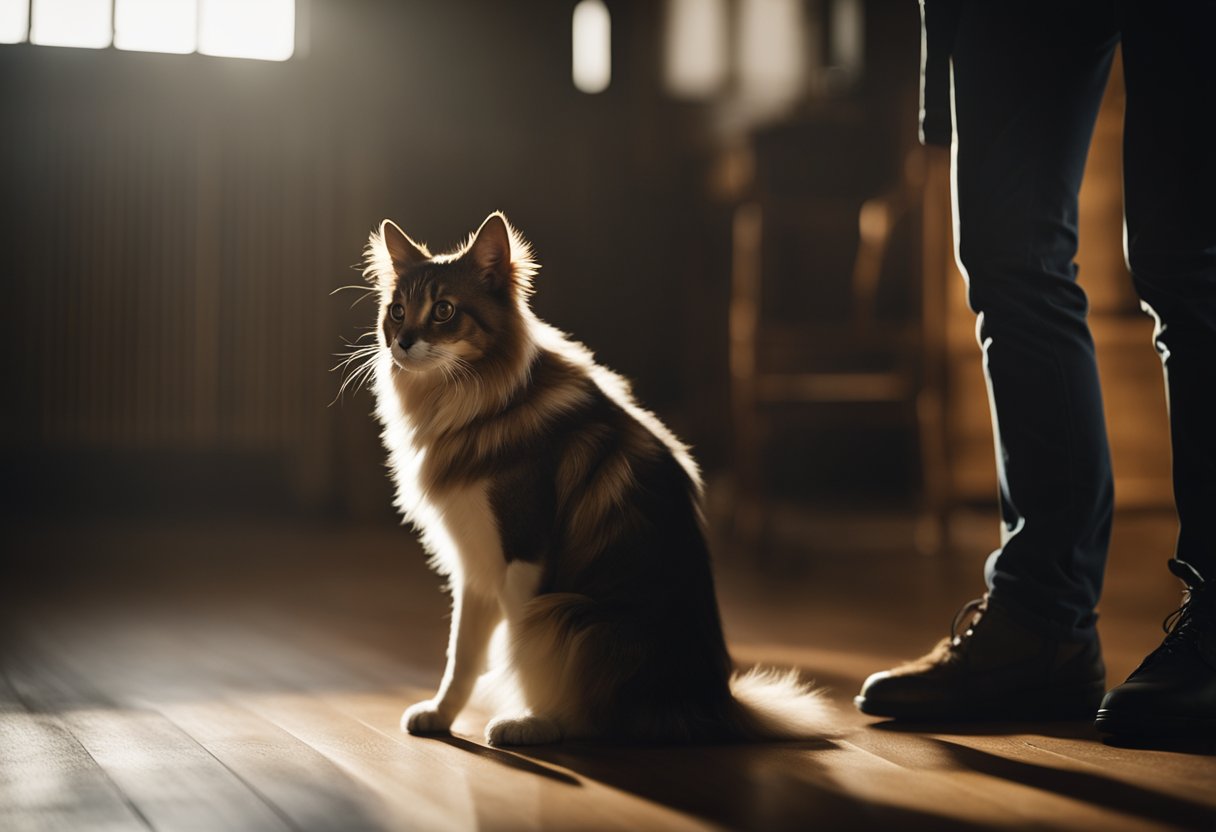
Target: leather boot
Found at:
997, 669
1173, 691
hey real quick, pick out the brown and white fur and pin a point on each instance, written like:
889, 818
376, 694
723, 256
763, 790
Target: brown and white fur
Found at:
557, 507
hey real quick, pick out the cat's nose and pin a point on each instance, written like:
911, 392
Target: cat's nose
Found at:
406, 341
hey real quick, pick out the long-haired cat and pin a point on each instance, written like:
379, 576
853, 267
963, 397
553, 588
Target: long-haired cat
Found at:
556, 506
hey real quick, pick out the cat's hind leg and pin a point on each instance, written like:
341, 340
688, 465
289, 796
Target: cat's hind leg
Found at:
474, 618
524, 729
570, 663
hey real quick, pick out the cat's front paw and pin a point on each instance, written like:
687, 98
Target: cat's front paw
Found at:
425, 718
523, 730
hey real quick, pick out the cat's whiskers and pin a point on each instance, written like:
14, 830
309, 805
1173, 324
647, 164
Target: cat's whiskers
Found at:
355, 377
358, 352
355, 344
366, 293
458, 370
449, 369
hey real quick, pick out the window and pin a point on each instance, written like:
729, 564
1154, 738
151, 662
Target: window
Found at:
14, 20
70, 23
155, 25
245, 29
261, 29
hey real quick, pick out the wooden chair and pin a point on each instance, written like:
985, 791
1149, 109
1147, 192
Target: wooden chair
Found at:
894, 366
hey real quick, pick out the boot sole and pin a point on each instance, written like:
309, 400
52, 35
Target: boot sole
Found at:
1153, 725
1049, 705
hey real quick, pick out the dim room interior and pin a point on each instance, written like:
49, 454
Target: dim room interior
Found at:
211, 616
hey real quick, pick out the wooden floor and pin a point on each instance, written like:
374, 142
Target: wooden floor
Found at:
217, 676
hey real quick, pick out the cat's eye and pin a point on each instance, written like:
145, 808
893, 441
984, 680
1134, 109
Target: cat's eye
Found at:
443, 311
397, 312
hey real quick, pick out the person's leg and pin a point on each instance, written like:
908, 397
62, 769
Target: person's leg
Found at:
1028, 80
1025, 109
1170, 195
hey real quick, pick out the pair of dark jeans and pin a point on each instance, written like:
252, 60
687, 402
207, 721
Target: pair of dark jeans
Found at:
1028, 79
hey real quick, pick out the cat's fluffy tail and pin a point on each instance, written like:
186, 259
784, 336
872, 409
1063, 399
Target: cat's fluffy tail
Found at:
775, 704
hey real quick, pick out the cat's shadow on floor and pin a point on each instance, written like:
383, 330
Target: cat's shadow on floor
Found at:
510, 759
782, 785
739, 786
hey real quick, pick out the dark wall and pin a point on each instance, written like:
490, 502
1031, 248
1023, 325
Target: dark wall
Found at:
173, 226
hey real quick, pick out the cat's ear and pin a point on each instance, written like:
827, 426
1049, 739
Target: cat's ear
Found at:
491, 251
404, 251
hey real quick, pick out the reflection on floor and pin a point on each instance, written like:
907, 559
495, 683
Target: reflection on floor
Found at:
235, 677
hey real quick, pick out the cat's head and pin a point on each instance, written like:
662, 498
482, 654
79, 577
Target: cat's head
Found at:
452, 311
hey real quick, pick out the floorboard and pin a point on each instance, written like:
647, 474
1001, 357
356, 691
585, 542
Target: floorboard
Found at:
307, 787
172, 781
48, 780
202, 678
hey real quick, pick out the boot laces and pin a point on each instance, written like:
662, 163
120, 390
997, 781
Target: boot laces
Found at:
973, 610
1181, 624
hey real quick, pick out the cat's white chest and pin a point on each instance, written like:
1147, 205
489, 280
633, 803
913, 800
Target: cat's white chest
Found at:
467, 541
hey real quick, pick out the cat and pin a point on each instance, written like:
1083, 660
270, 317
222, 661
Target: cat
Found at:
556, 507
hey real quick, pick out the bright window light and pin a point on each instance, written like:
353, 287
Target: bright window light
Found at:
697, 47
84, 23
262, 29
592, 46
14, 20
155, 25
